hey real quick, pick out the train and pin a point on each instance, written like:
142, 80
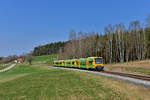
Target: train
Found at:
95, 63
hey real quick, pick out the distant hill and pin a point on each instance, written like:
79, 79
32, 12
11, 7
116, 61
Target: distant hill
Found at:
48, 49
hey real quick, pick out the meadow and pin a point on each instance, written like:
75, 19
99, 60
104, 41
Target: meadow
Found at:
26, 82
43, 59
39, 82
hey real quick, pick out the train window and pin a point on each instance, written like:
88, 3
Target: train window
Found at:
77, 62
98, 61
72, 62
90, 62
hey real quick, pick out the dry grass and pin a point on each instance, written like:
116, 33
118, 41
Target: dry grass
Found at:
129, 91
139, 67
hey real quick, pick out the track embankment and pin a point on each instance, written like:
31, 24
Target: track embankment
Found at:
135, 76
8, 68
135, 79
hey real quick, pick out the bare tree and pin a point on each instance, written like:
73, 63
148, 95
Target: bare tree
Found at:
72, 38
100, 45
90, 43
116, 45
147, 35
139, 39
148, 21
137, 29
80, 44
68, 50
85, 45
61, 53
128, 44
29, 58
120, 30
109, 31
143, 42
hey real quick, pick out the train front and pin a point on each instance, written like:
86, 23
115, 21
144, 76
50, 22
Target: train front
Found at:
99, 64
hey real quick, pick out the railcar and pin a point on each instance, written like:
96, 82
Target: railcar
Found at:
68, 63
83, 63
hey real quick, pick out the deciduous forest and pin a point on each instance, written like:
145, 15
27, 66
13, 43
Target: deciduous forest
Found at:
118, 43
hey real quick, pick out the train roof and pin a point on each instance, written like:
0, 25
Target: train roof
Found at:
78, 59
74, 59
95, 57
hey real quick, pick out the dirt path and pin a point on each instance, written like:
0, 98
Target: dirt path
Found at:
8, 68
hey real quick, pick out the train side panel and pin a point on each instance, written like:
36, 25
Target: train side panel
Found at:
83, 63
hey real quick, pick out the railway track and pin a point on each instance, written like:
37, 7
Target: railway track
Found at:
140, 77
128, 75
133, 78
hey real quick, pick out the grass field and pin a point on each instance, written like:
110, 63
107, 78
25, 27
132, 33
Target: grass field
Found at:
138, 67
38, 82
41, 83
4, 66
46, 59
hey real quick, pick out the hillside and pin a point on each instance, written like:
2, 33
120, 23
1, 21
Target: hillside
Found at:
43, 59
48, 49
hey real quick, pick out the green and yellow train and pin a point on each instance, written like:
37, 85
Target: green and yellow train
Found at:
83, 63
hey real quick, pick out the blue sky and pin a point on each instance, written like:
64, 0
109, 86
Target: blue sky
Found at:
25, 24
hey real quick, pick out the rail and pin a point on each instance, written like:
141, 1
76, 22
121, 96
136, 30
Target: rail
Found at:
141, 77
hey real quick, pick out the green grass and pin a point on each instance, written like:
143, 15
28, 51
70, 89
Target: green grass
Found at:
51, 84
36, 83
43, 58
4, 66
46, 59
19, 70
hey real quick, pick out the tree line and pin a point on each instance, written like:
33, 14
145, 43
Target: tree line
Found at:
116, 44
51, 48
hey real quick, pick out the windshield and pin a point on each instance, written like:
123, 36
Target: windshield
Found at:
98, 61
